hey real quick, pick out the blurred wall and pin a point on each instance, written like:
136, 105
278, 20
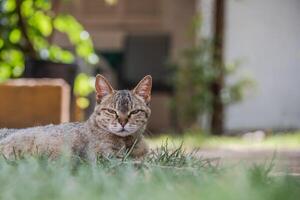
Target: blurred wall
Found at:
108, 25
265, 36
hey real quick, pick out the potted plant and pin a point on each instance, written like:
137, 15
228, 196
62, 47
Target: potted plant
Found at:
27, 29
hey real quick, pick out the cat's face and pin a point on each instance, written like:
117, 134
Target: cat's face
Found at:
122, 112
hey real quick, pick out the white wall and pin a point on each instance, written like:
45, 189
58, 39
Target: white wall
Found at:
265, 35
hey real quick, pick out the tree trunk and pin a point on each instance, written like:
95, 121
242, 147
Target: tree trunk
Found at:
217, 118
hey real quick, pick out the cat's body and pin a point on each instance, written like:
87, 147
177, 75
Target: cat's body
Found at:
80, 139
116, 126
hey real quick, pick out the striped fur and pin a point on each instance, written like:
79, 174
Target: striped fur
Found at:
117, 123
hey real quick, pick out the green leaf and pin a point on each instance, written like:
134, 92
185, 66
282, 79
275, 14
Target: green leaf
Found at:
43, 4
42, 22
38, 41
18, 70
5, 71
82, 102
26, 8
59, 55
84, 85
84, 50
9, 5
15, 36
67, 57
1, 43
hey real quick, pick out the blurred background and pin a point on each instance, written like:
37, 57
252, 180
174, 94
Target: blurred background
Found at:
218, 66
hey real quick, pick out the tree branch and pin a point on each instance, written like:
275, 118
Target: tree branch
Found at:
22, 25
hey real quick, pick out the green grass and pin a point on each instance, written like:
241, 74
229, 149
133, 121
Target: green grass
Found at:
164, 174
199, 140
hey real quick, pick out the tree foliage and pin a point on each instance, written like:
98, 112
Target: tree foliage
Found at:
27, 28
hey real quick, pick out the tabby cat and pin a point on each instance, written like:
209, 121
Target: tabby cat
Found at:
115, 127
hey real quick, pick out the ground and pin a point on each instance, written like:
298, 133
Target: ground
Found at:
166, 173
282, 148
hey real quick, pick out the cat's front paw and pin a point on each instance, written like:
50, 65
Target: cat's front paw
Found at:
140, 150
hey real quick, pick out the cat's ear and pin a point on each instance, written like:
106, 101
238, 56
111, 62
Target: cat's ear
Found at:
103, 87
143, 89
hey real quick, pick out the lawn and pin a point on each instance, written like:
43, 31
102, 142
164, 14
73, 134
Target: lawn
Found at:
192, 140
164, 174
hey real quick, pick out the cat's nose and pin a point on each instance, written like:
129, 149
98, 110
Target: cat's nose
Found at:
123, 120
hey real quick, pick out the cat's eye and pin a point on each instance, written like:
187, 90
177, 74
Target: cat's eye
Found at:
110, 111
134, 112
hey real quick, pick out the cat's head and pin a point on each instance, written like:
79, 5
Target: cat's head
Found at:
122, 112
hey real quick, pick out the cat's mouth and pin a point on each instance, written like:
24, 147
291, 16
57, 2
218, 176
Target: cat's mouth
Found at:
122, 133
123, 130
